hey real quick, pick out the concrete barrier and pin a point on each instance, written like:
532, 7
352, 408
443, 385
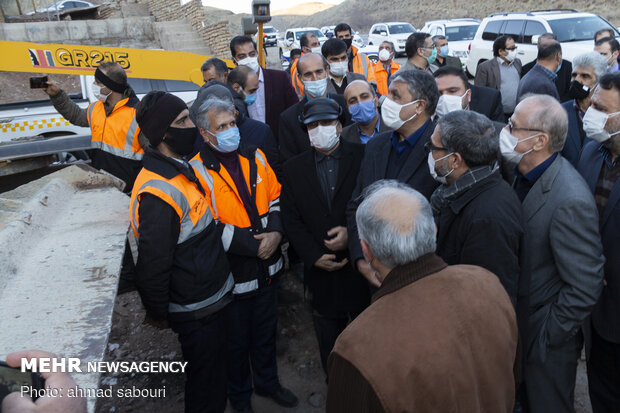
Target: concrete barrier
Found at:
63, 239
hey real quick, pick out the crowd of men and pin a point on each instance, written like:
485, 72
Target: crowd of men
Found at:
459, 241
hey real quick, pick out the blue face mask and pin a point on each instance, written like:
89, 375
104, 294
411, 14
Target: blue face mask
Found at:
315, 88
227, 141
559, 67
250, 99
431, 59
363, 112
444, 51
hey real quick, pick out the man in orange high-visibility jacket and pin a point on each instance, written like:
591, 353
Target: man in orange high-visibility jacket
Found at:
358, 62
183, 276
115, 132
246, 199
385, 67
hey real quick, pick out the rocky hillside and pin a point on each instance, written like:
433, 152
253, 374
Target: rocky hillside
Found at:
361, 14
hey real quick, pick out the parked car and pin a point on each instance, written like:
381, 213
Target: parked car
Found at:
270, 36
459, 32
291, 41
574, 29
395, 32
62, 6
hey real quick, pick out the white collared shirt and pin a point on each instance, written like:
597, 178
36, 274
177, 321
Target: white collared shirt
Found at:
257, 110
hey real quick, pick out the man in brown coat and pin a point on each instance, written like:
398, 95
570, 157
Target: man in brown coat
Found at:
436, 338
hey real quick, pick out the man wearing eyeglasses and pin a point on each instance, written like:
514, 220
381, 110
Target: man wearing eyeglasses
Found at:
421, 53
563, 249
502, 73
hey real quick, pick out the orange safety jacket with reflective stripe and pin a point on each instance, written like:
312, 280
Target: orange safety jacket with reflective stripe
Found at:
382, 76
116, 133
200, 275
250, 272
298, 85
361, 64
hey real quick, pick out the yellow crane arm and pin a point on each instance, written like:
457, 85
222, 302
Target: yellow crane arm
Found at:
83, 60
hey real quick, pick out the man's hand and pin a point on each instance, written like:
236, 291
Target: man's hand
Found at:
339, 239
328, 262
16, 403
160, 324
371, 275
52, 88
269, 242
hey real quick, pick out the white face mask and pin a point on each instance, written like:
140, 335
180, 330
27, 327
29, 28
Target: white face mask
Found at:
97, 92
324, 137
449, 103
512, 54
251, 62
431, 168
594, 125
384, 55
338, 68
508, 143
316, 50
390, 113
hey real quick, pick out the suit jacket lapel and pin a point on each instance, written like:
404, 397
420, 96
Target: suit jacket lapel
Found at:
496, 74
344, 168
537, 196
268, 92
312, 177
416, 155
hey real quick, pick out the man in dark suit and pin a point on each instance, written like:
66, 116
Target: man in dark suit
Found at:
443, 57
312, 70
540, 80
564, 72
588, 68
452, 81
362, 103
563, 249
502, 73
600, 166
275, 93
315, 192
399, 154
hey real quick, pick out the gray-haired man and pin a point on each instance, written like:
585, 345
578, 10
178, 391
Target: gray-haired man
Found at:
563, 247
428, 322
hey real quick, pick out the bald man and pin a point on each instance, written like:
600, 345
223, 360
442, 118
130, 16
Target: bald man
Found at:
362, 103
419, 345
312, 70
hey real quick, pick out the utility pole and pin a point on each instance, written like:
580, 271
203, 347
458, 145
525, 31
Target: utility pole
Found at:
19, 7
261, 14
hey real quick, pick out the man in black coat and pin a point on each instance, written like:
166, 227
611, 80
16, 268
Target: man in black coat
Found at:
478, 215
562, 82
312, 70
453, 81
317, 186
400, 154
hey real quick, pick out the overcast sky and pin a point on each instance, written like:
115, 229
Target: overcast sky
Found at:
245, 6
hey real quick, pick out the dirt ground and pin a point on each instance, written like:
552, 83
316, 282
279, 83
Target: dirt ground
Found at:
299, 365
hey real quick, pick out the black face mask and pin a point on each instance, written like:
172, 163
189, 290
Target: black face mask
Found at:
181, 140
348, 42
578, 90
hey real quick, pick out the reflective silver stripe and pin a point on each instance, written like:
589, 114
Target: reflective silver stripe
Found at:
227, 236
245, 287
178, 308
91, 108
264, 221
364, 65
274, 205
123, 153
261, 159
200, 168
188, 229
274, 268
